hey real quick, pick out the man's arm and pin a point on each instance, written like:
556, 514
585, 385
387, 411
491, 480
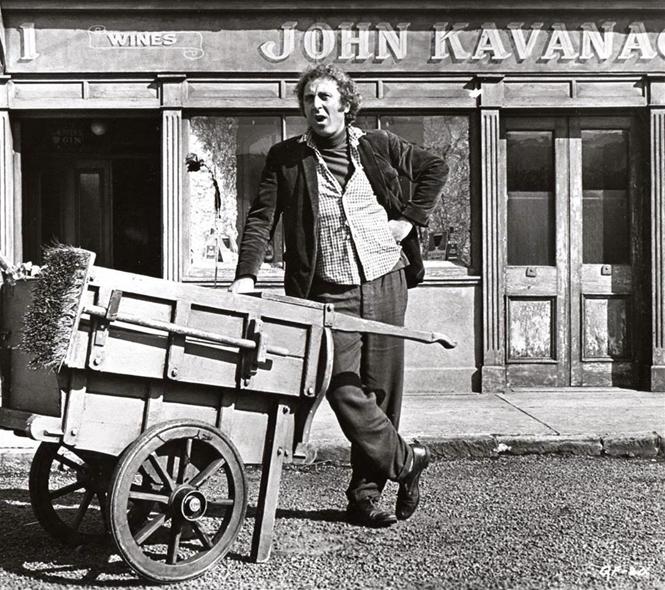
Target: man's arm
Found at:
261, 220
426, 170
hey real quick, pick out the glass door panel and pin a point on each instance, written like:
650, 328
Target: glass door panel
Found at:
535, 265
604, 273
530, 181
605, 195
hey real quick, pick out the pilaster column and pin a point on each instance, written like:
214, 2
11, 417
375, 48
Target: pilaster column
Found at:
490, 99
9, 216
657, 148
493, 373
172, 88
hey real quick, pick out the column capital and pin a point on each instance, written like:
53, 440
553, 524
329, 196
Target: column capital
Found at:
491, 90
173, 89
5, 89
655, 85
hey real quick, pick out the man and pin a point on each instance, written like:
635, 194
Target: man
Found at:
337, 189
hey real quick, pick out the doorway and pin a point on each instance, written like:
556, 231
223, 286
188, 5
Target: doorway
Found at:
572, 213
93, 183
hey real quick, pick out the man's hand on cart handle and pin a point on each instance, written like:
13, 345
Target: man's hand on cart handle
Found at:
242, 285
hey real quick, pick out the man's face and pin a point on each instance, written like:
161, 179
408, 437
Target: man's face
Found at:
323, 107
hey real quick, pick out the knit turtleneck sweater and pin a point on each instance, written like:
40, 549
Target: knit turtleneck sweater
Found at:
335, 153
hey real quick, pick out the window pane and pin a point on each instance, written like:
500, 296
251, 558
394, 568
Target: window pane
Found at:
137, 235
91, 211
52, 199
530, 181
605, 182
448, 236
234, 151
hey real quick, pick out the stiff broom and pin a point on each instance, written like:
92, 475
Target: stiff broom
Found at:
52, 317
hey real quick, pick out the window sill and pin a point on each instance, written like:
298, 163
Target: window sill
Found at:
436, 273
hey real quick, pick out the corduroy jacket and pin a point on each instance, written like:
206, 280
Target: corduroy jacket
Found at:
289, 188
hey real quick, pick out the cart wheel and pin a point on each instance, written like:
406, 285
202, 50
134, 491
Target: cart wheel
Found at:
192, 479
68, 492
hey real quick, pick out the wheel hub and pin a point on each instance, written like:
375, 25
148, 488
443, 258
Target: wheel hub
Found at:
189, 503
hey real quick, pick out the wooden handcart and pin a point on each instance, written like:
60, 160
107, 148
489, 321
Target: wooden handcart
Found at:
164, 392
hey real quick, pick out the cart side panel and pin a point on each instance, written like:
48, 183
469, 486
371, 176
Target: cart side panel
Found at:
120, 348
105, 413
25, 389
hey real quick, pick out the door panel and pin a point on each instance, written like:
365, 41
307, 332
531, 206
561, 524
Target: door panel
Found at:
573, 236
73, 199
604, 174
536, 252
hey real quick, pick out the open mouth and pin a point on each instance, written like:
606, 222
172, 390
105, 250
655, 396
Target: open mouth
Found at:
319, 118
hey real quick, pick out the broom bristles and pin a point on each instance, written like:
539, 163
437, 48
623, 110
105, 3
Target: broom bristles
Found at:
51, 319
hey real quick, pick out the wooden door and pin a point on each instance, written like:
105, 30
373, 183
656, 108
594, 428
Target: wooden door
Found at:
536, 262
572, 219
70, 202
606, 230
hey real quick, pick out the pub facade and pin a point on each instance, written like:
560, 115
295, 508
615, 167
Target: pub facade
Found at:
545, 259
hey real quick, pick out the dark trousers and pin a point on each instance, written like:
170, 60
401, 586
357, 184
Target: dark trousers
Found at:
366, 387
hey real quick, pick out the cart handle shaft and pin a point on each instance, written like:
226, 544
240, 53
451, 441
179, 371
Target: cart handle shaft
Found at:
99, 311
347, 323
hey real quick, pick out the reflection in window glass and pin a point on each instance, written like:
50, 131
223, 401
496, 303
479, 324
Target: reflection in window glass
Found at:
605, 180
530, 182
234, 150
448, 236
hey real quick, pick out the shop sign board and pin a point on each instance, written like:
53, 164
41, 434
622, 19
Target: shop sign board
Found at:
448, 44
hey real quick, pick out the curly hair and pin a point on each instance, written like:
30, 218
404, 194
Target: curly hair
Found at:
347, 88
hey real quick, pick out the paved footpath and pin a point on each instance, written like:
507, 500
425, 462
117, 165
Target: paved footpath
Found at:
615, 422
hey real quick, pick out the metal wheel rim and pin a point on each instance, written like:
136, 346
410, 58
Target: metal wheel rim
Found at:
132, 541
88, 477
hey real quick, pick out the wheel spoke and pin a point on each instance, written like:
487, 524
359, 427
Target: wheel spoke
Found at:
203, 476
144, 533
202, 536
148, 496
170, 465
83, 508
174, 542
161, 472
68, 462
146, 474
72, 487
104, 509
185, 457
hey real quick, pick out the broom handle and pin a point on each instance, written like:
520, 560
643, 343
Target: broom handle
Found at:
99, 311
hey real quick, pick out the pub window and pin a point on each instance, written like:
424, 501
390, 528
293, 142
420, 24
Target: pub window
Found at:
233, 151
448, 235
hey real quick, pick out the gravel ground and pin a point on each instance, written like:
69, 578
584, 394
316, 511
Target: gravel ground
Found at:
513, 522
